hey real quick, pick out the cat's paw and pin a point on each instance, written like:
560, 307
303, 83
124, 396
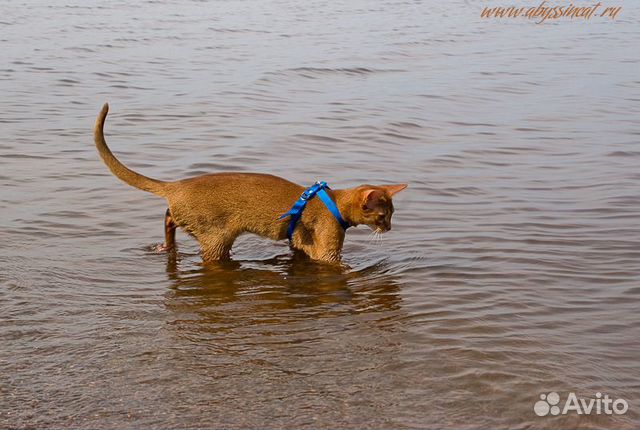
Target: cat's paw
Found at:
162, 248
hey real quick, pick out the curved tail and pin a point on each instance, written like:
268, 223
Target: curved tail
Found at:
117, 168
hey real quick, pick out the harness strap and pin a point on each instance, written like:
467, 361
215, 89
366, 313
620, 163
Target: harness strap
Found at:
332, 208
296, 211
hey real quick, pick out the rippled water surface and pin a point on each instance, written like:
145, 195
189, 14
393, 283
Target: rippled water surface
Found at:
512, 270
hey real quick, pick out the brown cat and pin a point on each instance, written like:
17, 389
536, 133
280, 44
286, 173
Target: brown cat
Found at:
219, 207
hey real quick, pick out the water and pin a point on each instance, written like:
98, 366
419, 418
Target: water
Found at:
512, 269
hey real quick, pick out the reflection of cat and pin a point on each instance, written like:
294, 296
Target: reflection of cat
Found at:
217, 208
285, 288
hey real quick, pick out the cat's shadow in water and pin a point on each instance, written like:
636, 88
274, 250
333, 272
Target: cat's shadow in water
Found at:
286, 287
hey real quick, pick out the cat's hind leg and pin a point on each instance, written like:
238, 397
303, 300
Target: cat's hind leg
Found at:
169, 233
216, 245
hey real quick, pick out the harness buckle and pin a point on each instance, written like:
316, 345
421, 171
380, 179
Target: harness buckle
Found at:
296, 211
310, 192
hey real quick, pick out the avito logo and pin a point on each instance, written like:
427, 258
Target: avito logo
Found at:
550, 404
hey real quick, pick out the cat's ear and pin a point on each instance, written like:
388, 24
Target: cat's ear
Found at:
394, 189
371, 197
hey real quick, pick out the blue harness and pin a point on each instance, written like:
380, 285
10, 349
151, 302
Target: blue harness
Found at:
316, 189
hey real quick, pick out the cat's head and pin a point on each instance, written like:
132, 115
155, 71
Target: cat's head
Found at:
373, 205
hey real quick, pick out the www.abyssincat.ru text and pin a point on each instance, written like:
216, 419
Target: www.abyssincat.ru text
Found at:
544, 11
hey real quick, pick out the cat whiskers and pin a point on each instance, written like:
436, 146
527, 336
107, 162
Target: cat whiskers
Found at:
376, 237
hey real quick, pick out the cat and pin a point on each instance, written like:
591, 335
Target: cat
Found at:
217, 208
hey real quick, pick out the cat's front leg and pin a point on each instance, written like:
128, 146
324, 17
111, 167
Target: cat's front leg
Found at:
327, 249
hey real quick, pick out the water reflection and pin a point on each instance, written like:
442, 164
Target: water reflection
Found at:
279, 290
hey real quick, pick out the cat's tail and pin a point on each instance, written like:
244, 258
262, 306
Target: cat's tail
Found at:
117, 168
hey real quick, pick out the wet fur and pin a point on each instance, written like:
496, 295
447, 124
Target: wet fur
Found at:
219, 207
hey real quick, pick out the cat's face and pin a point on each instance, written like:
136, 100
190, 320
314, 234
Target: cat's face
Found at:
376, 206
